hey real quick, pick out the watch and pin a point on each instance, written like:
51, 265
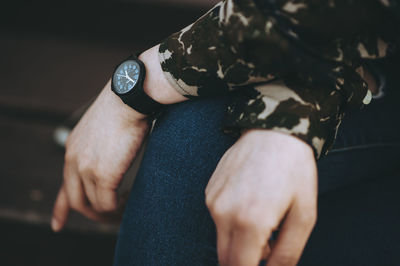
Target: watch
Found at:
127, 82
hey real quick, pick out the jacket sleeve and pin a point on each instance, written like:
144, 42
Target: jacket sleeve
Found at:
312, 112
312, 47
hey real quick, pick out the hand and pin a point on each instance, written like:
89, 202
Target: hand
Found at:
102, 146
99, 151
266, 181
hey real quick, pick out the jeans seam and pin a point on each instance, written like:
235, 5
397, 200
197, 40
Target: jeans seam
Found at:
365, 146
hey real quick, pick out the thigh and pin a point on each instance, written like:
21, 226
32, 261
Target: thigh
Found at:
359, 180
166, 221
368, 143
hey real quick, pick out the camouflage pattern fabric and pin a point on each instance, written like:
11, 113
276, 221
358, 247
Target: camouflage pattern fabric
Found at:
293, 64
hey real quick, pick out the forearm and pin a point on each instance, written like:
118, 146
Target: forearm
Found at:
155, 84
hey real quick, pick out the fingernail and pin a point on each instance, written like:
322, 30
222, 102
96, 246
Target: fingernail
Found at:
55, 225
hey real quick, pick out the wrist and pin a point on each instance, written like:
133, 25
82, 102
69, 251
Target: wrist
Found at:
279, 141
155, 84
110, 99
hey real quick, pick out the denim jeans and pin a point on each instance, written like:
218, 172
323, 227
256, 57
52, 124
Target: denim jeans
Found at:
166, 221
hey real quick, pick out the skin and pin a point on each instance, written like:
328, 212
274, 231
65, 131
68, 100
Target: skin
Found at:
94, 162
264, 182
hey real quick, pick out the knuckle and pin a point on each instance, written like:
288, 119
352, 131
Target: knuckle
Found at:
84, 167
104, 177
68, 156
256, 220
209, 203
86, 159
245, 219
99, 177
219, 208
104, 182
207, 191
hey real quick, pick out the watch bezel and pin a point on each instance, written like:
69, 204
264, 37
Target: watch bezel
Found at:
136, 97
140, 81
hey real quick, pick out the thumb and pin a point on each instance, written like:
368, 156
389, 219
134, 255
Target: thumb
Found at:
60, 211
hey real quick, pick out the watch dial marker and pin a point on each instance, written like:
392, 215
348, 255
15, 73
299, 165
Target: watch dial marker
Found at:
126, 76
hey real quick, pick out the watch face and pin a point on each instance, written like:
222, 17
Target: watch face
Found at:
126, 76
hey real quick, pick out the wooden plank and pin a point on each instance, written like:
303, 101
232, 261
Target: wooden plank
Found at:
55, 75
57, 57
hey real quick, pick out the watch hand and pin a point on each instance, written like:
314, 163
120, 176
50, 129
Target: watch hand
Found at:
120, 75
126, 75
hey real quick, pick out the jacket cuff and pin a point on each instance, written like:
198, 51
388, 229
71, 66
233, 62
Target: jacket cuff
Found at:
275, 106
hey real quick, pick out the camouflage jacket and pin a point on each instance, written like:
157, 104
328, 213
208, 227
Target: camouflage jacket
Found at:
292, 63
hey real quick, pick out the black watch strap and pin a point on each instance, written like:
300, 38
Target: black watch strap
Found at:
142, 103
137, 98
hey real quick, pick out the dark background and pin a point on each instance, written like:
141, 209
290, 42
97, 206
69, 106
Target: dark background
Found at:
54, 57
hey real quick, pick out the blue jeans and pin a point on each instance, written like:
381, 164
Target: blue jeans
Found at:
166, 221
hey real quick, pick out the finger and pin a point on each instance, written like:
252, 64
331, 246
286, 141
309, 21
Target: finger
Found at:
90, 191
60, 211
216, 182
74, 189
76, 197
270, 244
107, 198
223, 240
293, 236
246, 247
266, 250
